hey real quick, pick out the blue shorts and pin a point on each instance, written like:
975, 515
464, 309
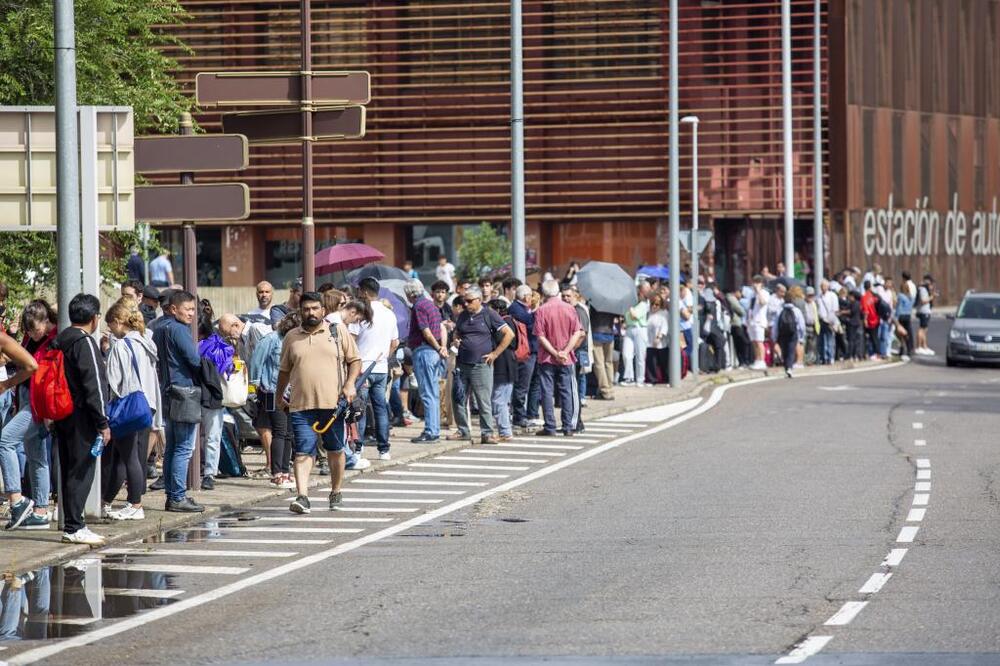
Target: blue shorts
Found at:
306, 439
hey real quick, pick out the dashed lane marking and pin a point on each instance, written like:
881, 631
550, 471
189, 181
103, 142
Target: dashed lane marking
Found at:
894, 557
392, 491
920, 442
395, 482
490, 459
917, 425
447, 475
923, 474
922, 487
508, 452
875, 583
923, 463
178, 569
555, 447
807, 648
916, 515
847, 612
921, 499
177, 552
907, 534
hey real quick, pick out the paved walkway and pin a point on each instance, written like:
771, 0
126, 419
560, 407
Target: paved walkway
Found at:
22, 550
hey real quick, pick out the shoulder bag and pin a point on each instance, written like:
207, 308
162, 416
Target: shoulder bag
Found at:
183, 402
130, 413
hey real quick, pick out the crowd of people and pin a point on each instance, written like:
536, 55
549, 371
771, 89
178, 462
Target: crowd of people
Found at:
325, 373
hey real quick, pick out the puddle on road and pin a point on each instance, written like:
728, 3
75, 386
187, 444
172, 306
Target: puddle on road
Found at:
70, 599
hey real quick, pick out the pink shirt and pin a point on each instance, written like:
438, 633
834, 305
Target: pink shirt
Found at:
557, 322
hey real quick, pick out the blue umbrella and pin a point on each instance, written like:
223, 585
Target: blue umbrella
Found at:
659, 272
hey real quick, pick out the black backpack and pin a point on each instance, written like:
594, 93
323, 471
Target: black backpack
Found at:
787, 326
882, 309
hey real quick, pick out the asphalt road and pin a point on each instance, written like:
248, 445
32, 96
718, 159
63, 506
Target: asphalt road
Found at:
731, 537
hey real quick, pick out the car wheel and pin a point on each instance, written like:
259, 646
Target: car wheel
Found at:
950, 362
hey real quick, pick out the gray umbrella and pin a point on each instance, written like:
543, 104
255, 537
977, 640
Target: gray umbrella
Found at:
396, 287
378, 271
608, 288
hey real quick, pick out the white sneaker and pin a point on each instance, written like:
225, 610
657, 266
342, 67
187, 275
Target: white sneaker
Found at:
85, 536
287, 483
128, 512
798, 366
362, 463
759, 365
105, 511
929, 351
385, 456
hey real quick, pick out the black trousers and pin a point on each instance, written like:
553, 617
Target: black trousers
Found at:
123, 463
76, 471
907, 342
741, 342
788, 349
281, 443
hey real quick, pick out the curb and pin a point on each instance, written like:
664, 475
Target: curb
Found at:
696, 388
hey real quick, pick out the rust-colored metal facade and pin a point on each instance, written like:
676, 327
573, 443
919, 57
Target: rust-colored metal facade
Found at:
438, 148
920, 139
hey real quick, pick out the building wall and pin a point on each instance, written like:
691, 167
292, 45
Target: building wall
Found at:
922, 140
438, 149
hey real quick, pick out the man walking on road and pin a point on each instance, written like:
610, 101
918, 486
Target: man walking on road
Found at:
787, 331
427, 341
87, 381
322, 364
559, 332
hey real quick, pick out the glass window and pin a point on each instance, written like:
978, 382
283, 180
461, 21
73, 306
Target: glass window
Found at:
208, 250
283, 251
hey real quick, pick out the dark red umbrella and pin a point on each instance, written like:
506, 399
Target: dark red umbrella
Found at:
345, 257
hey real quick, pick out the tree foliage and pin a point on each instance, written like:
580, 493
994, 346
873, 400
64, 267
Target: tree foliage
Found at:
483, 249
119, 61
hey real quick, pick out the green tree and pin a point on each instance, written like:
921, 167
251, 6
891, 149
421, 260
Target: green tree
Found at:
119, 62
483, 249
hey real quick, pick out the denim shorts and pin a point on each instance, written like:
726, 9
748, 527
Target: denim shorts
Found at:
306, 439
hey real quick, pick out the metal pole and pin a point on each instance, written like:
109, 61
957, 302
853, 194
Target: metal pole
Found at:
144, 230
819, 257
308, 229
67, 161
191, 284
516, 142
786, 108
695, 255
675, 209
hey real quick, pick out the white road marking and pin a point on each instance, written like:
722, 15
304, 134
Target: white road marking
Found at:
894, 557
805, 649
917, 425
144, 593
920, 499
847, 612
813, 643
840, 387
395, 500
451, 475
490, 459
916, 515
508, 452
393, 482
919, 411
296, 530
920, 442
390, 491
907, 534
653, 414
923, 474
56, 619
177, 552
923, 463
179, 569
380, 509
555, 447
276, 542
581, 440
922, 487
875, 583
506, 468
319, 519
624, 423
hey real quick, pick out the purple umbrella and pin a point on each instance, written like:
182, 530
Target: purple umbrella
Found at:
345, 257
401, 309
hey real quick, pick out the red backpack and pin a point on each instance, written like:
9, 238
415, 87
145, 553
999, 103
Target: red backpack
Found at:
49, 393
522, 350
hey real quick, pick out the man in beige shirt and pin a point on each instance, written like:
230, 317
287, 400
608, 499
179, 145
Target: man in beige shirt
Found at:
321, 363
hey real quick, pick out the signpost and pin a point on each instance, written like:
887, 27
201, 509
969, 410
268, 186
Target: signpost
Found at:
286, 126
281, 88
198, 152
204, 203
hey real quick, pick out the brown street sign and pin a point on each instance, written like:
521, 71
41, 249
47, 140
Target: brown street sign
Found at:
179, 203
199, 152
281, 88
286, 126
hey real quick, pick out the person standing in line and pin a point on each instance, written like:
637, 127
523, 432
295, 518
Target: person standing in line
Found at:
634, 343
602, 326
135, 267
788, 331
476, 332
520, 312
76, 434
657, 332
322, 364
271, 422
870, 319
131, 367
429, 346
505, 369
409, 270
445, 271
812, 319
161, 271
925, 301
904, 317
758, 321
559, 332
10, 468
217, 363
180, 372
572, 296
738, 330
827, 305
265, 293
377, 340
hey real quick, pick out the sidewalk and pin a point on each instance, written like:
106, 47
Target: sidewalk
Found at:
22, 550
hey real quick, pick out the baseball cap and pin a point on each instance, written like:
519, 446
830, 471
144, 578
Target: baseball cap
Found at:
149, 291
810, 291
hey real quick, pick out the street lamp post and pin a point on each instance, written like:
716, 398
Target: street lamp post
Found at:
516, 143
818, 237
786, 107
675, 212
695, 324
68, 248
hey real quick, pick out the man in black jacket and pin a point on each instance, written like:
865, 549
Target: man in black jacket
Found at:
88, 386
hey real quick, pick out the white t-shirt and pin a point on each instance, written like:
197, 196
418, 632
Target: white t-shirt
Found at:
758, 316
446, 273
658, 324
266, 313
375, 339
